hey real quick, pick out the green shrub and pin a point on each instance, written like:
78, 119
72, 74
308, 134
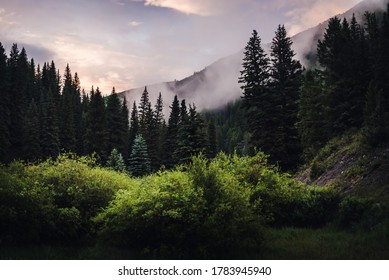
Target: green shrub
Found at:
54, 201
201, 213
362, 212
285, 202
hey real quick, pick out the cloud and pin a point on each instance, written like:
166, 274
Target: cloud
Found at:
314, 12
134, 23
198, 7
6, 18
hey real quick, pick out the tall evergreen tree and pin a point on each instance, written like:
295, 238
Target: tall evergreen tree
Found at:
157, 132
343, 96
116, 161
125, 124
255, 85
134, 127
49, 138
192, 139
32, 147
212, 143
67, 113
18, 66
171, 140
117, 131
4, 107
139, 161
285, 74
312, 115
96, 126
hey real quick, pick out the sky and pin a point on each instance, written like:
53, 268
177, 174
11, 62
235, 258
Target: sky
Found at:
132, 43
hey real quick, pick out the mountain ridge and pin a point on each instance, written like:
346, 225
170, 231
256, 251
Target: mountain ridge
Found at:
217, 84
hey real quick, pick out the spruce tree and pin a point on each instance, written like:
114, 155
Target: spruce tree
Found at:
335, 55
78, 114
67, 113
139, 161
125, 126
134, 127
212, 143
49, 138
171, 141
18, 66
96, 127
116, 161
255, 85
192, 139
285, 82
155, 145
4, 107
116, 128
32, 147
312, 115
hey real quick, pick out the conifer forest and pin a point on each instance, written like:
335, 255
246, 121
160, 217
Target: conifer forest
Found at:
296, 168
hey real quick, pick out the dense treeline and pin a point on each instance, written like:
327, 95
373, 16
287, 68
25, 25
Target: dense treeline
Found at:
270, 93
44, 114
290, 114
350, 88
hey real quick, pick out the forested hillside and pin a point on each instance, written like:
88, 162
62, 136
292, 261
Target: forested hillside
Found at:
83, 176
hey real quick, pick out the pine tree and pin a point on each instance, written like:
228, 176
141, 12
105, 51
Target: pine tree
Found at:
32, 148
192, 140
155, 145
96, 126
212, 143
78, 114
285, 83
171, 141
183, 112
49, 138
17, 65
134, 127
312, 115
67, 113
255, 85
82, 149
125, 124
144, 113
139, 161
374, 130
4, 107
116, 161
116, 128
335, 55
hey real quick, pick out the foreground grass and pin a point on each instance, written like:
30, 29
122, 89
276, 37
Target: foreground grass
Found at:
280, 244
326, 244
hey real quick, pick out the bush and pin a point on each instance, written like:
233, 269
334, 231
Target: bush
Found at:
285, 202
202, 213
54, 201
355, 212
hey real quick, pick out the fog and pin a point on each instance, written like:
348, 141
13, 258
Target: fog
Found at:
217, 84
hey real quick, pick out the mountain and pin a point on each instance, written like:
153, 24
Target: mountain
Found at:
217, 84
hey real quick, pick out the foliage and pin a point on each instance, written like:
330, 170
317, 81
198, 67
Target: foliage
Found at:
270, 94
53, 201
361, 212
204, 212
139, 161
116, 161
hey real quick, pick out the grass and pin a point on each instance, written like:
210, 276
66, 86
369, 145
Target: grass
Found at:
280, 244
326, 244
